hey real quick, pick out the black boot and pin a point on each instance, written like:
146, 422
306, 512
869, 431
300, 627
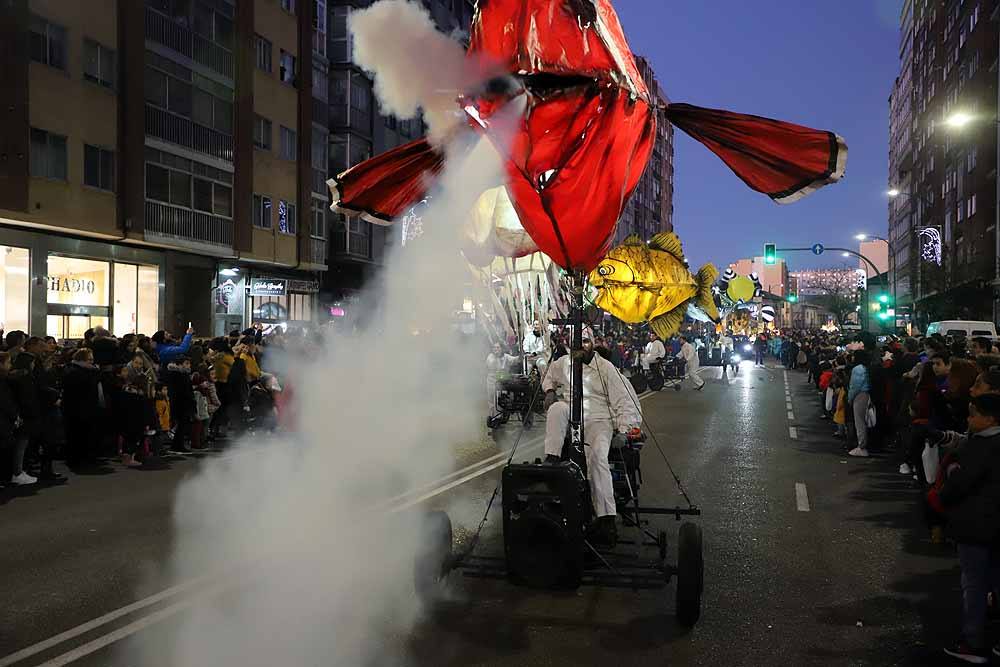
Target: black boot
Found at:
603, 533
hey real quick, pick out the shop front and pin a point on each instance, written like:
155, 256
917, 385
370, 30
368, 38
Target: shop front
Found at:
60, 287
245, 297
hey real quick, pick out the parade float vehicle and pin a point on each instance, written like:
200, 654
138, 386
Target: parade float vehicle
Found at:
584, 132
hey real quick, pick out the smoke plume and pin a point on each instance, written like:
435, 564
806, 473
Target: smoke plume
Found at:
319, 576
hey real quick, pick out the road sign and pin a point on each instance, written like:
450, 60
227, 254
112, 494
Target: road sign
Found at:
817, 249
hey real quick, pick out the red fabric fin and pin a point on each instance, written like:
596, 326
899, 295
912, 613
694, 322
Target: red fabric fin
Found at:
382, 188
782, 160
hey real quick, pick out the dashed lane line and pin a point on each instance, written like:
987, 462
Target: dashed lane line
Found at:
791, 416
801, 497
140, 624
793, 433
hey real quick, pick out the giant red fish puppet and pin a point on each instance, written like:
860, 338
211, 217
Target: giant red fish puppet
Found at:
586, 132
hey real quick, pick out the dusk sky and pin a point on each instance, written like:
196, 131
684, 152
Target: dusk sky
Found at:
827, 65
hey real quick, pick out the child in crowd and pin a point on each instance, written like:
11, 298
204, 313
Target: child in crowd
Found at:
162, 404
839, 385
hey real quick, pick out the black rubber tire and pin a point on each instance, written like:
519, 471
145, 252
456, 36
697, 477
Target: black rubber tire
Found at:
677, 387
656, 382
434, 560
638, 383
690, 574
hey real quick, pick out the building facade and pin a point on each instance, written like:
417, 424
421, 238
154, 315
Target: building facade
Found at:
943, 160
157, 166
359, 129
650, 210
773, 277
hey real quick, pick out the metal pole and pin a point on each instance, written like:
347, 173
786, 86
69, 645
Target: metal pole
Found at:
576, 402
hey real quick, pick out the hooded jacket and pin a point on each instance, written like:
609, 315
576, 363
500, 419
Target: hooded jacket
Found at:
169, 353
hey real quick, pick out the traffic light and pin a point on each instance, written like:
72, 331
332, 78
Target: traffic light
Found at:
884, 307
792, 298
770, 253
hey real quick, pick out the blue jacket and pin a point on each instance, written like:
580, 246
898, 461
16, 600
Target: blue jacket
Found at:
169, 353
859, 382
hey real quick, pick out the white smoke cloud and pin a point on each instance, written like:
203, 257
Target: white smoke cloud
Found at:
331, 579
415, 65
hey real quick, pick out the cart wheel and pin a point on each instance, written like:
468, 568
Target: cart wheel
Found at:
690, 574
677, 387
656, 382
434, 560
638, 382
661, 540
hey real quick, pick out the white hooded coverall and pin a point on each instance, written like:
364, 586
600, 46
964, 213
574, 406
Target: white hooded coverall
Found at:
654, 352
609, 402
690, 357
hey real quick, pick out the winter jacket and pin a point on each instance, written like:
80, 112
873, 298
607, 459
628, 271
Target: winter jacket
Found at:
239, 389
168, 353
106, 352
859, 382
8, 410
182, 405
252, 369
80, 392
143, 379
200, 406
212, 401
222, 363
970, 495
824, 379
163, 413
840, 414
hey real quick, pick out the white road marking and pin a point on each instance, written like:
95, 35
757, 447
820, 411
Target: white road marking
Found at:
788, 405
801, 497
791, 416
140, 624
793, 433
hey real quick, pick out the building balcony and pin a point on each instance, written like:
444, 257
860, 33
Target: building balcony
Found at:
169, 127
161, 30
182, 226
346, 245
317, 251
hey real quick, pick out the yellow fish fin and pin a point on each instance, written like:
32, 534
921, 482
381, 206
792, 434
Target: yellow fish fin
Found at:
632, 239
669, 243
705, 278
667, 324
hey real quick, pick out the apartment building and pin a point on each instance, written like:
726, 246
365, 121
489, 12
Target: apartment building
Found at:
156, 165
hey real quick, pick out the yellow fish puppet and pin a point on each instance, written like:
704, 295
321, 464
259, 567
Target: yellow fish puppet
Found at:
650, 282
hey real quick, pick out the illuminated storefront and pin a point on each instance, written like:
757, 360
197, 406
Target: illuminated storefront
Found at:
244, 298
60, 286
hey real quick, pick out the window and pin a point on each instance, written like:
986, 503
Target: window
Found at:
262, 211
262, 133
48, 43
202, 195
970, 207
288, 6
288, 222
263, 54
341, 43
222, 198
361, 103
288, 144
319, 33
210, 111
180, 189
958, 212
320, 143
98, 168
318, 230
48, 155
98, 64
168, 92
320, 87
970, 158
287, 71
157, 183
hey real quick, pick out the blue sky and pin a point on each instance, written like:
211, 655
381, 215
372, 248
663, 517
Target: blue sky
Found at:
828, 65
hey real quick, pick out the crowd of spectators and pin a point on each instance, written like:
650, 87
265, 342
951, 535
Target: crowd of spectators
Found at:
932, 407
132, 399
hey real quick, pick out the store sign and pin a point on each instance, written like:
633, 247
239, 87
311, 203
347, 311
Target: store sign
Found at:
71, 285
307, 286
268, 287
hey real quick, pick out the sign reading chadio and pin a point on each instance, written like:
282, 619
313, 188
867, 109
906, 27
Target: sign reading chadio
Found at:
268, 287
72, 285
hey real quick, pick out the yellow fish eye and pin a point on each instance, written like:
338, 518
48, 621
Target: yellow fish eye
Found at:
605, 270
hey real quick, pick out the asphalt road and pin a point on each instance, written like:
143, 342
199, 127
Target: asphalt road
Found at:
811, 558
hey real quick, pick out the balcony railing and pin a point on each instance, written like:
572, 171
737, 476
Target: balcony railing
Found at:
351, 245
164, 220
162, 30
317, 251
182, 131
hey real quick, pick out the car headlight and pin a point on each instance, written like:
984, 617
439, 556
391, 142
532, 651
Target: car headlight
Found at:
747, 347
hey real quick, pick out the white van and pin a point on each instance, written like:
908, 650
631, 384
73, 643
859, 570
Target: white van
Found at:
960, 328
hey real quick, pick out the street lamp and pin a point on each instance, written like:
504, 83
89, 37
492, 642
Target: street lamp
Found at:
959, 119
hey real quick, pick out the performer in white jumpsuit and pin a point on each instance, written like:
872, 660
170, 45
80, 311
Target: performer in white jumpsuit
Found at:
726, 348
690, 357
497, 362
654, 351
535, 349
609, 403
